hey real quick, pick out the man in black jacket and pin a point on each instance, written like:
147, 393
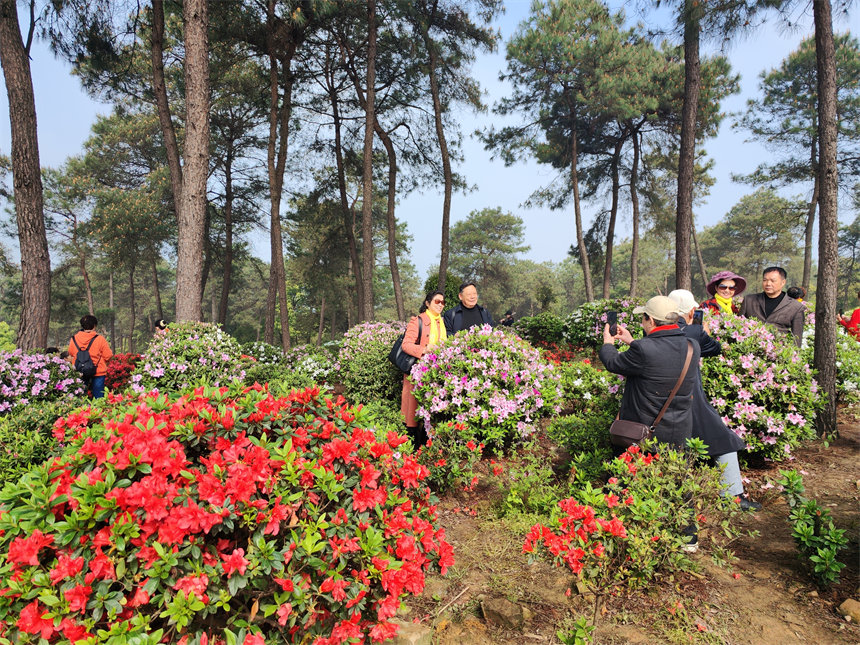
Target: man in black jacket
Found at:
468, 313
652, 366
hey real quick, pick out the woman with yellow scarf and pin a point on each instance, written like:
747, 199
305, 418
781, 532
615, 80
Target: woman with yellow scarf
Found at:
723, 287
432, 333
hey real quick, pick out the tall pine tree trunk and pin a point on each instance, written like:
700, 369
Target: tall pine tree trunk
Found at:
279, 123
321, 326
133, 306
367, 254
112, 312
27, 180
699, 257
192, 212
227, 279
828, 227
634, 199
349, 229
687, 154
577, 211
447, 173
613, 213
155, 289
807, 234
391, 221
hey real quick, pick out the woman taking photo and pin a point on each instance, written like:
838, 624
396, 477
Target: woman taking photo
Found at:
432, 334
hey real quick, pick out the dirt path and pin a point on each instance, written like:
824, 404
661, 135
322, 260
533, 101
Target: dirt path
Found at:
764, 598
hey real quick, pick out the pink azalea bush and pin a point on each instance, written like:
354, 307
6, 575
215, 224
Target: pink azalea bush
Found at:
491, 380
761, 385
31, 378
188, 355
223, 515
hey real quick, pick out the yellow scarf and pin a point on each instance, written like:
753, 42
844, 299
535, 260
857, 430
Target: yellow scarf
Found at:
437, 329
725, 304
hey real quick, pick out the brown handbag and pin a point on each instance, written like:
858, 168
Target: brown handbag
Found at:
623, 433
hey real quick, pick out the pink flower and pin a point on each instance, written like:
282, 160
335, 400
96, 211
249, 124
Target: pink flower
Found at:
235, 562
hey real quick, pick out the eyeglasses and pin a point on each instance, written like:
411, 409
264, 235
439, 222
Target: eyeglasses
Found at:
438, 302
730, 287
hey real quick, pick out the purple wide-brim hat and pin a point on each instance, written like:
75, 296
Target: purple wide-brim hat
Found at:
740, 283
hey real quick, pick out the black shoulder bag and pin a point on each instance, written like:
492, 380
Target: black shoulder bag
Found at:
401, 359
629, 433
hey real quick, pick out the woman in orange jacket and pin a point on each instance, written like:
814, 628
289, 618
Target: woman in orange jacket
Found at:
432, 333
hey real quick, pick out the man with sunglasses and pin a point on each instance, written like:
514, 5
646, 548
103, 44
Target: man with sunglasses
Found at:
774, 307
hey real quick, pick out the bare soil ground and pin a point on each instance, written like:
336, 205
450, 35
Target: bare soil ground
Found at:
763, 597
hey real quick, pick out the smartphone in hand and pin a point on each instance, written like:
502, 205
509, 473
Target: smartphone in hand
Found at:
612, 319
698, 316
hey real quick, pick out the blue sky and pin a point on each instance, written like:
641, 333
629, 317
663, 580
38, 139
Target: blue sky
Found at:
65, 114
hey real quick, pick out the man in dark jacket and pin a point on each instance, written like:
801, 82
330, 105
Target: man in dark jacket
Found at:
652, 366
774, 307
468, 313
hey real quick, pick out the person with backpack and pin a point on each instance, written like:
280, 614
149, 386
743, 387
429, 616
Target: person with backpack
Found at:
90, 352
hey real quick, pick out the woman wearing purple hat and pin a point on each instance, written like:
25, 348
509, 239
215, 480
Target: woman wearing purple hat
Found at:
723, 287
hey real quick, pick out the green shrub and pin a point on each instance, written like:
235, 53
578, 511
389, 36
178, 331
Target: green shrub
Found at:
847, 367
315, 362
7, 337
761, 386
545, 327
383, 417
363, 365
584, 327
451, 456
26, 437
587, 440
178, 518
633, 528
188, 355
279, 373
817, 538
587, 390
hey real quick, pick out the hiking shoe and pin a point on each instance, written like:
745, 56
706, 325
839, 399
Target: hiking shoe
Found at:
692, 546
748, 504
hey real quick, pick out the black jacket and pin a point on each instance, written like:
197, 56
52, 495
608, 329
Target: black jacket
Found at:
454, 318
707, 423
652, 366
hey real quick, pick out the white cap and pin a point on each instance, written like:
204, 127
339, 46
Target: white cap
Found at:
685, 301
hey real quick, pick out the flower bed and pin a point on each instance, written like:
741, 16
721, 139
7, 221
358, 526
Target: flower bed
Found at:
489, 379
189, 354
219, 515
584, 327
761, 385
363, 365
28, 378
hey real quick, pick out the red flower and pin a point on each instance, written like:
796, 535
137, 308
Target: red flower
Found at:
26, 550
31, 621
254, 639
66, 568
78, 597
383, 631
284, 612
193, 584
235, 562
365, 498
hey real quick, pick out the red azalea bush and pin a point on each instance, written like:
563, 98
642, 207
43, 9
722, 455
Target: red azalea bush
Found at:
226, 515
119, 369
634, 526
